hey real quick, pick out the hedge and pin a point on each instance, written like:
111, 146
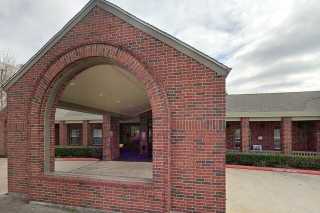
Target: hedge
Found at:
79, 152
247, 159
280, 161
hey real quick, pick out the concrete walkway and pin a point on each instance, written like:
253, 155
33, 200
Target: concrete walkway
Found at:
3, 176
112, 170
247, 191
13, 205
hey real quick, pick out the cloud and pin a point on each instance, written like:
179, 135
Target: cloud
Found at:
26, 25
286, 53
270, 46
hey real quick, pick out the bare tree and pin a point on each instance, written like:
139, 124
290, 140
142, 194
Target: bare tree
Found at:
7, 69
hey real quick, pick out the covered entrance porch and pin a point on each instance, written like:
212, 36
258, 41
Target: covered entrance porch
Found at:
106, 112
141, 69
287, 135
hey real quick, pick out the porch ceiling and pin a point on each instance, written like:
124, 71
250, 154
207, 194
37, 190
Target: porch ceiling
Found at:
107, 88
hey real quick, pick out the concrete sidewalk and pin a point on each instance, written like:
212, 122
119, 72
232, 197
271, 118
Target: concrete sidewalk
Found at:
248, 191
13, 205
3, 176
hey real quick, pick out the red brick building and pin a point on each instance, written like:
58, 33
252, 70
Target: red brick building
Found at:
262, 117
164, 96
254, 123
280, 122
185, 90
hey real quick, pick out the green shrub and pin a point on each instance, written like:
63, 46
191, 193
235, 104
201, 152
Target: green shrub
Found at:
79, 152
281, 161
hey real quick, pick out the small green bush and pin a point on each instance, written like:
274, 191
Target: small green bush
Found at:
79, 152
280, 161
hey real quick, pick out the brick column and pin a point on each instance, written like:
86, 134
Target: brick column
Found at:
143, 133
286, 135
106, 137
245, 134
115, 128
85, 133
317, 135
63, 133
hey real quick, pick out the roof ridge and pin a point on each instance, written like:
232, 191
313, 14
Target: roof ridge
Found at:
273, 93
179, 45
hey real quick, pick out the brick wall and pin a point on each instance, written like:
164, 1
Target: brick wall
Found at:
188, 106
266, 130
245, 134
316, 135
85, 133
303, 138
286, 135
115, 139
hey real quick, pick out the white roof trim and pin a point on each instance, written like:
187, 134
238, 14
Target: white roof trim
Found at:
295, 118
202, 58
272, 114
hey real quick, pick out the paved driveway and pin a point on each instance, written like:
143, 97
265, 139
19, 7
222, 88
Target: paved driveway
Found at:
272, 192
247, 191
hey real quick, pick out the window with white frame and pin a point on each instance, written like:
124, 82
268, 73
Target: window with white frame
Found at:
97, 136
237, 138
277, 138
74, 136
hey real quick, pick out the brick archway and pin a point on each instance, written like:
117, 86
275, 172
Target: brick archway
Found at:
186, 89
50, 87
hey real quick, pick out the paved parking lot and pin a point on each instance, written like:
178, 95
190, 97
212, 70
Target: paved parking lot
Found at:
272, 192
247, 191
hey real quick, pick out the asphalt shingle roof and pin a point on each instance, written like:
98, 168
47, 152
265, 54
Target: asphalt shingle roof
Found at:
245, 105
274, 102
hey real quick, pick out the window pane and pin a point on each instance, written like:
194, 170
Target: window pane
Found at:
277, 133
97, 136
237, 138
75, 134
134, 131
97, 133
97, 141
237, 133
277, 138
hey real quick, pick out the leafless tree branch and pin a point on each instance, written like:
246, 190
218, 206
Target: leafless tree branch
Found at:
7, 69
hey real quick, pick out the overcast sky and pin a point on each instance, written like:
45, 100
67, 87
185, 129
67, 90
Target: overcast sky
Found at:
272, 46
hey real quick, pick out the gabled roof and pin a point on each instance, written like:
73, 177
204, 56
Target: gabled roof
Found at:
202, 58
274, 104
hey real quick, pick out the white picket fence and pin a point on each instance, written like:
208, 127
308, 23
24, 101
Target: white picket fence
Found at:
306, 154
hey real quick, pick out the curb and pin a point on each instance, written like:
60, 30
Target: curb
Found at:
66, 207
270, 169
77, 159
